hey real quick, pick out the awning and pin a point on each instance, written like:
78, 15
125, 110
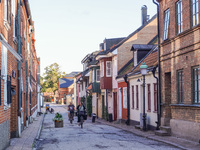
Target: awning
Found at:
89, 87
17, 56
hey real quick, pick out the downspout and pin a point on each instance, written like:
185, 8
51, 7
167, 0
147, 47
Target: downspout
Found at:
128, 100
27, 71
19, 67
19, 52
159, 68
158, 113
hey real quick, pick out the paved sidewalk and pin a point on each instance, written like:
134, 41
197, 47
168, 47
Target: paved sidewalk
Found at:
25, 142
178, 142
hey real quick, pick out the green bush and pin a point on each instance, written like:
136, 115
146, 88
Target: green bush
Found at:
106, 113
58, 117
89, 105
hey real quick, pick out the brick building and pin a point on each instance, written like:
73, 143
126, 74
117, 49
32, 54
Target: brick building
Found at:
18, 64
179, 54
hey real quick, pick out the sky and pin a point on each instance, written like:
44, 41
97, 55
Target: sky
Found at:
67, 30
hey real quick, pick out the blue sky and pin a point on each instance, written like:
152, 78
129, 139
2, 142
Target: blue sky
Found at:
67, 30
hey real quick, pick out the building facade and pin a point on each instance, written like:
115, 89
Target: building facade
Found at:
179, 58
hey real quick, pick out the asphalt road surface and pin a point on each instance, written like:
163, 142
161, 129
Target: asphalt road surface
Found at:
93, 136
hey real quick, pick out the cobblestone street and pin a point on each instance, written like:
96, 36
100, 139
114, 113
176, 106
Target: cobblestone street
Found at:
93, 136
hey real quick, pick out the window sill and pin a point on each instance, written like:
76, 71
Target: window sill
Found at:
137, 109
182, 105
155, 111
132, 108
148, 110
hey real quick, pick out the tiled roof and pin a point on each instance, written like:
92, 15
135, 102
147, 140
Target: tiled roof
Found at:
126, 68
93, 62
72, 74
89, 87
65, 83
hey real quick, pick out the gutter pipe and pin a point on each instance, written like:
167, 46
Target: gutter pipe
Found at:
159, 68
128, 100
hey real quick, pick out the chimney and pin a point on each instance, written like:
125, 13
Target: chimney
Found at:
145, 17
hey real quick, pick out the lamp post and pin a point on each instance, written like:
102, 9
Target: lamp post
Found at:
143, 69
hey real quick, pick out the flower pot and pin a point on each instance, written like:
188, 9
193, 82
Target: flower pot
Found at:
58, 124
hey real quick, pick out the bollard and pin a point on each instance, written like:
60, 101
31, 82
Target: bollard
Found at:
93, 117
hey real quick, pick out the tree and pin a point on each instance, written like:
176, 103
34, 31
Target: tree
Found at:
49, 81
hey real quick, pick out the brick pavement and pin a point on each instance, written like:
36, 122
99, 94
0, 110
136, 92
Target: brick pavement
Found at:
25, 142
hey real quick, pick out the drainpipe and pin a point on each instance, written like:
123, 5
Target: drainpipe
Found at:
158, 103
128, 100
159, 68
19, 66
27, 30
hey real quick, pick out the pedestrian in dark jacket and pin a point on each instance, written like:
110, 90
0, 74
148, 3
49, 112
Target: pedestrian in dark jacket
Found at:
81, 111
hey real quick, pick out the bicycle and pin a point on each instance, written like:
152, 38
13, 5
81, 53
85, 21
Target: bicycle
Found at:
71, 117
81, 121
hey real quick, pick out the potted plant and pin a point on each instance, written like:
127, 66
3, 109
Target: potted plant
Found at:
58, 120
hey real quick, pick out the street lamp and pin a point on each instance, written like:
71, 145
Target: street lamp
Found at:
143, 69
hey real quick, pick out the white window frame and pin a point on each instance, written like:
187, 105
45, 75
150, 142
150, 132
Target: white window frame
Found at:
102, 69
97, 75
166, 24
107, 69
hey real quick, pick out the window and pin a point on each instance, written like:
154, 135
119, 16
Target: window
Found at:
137, 98
102, 68
195, 12
7, 13
132, 97
149, 96
155, 96
97, 75
180, 86
179, 19
166, 24
108, 68
125, 97
196, 85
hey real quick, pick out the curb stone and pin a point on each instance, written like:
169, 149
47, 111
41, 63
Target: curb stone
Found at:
38, 133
